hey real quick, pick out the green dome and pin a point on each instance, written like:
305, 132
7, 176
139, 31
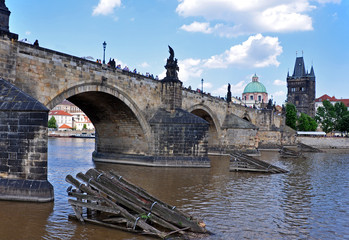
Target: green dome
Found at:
253, 87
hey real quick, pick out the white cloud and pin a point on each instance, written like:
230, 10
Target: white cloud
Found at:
278, 82
207, 86
189, 68
197, 27
106, 7
144, 65
279, 97
256, 51
236, 90
279, 94
236, 17
27, 33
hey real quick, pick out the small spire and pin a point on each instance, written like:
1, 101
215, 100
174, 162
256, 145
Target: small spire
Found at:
312, 74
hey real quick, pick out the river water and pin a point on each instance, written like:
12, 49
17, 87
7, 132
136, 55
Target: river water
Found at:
309, 202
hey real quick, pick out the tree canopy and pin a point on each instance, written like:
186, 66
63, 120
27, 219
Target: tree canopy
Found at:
306, 123
333, 117
303, 123
291, 115
52, 123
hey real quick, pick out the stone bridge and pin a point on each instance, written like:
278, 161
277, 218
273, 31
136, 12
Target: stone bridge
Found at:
138, 120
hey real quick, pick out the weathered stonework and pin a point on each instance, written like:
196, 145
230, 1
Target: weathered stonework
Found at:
23, 146
180, 136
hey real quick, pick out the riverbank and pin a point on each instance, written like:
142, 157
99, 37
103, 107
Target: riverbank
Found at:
67, 134
325, 142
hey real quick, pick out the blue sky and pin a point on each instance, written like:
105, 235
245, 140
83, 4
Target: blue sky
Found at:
220, 41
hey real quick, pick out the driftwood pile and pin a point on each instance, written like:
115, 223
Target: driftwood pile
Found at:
243, 162
288, 153
109, 200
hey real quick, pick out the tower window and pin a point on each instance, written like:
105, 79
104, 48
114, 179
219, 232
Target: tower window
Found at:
259, 98
251, 97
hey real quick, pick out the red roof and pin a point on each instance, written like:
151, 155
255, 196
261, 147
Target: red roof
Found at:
332, 99
59, 112
65, 126
326, 97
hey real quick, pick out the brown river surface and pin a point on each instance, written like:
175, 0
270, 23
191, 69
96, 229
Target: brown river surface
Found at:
309, 202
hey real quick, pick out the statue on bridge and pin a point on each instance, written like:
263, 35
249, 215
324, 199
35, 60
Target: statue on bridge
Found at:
3, 5
171, 67
229, 94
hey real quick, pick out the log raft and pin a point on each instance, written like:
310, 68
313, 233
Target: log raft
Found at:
107, 199
243, 162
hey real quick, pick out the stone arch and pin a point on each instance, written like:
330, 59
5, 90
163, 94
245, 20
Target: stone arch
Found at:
207, 114
121, 128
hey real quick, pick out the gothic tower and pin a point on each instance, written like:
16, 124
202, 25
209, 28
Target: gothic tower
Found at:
4, 16
4, 21
301, 88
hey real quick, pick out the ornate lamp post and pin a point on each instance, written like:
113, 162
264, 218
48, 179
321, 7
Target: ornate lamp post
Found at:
104, 46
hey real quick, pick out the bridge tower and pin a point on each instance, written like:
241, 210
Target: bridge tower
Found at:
301, 88
4, 21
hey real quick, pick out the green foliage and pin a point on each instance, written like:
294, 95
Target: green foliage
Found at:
52, 123
333, 117
145, 216
84, 126
291, 115
306, 123
326, 116
343, 124
340, 112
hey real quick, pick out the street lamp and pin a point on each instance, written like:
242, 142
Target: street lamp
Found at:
104, 46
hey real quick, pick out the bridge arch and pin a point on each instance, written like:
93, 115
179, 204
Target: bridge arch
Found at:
121, 128
207, 114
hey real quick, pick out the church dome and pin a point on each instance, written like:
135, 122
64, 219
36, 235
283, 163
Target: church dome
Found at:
255, 86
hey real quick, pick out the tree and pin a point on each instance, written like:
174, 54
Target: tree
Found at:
84, 126
343, 124
340, 112
332, 117
291, 115
52, 123
326, 116
306, 123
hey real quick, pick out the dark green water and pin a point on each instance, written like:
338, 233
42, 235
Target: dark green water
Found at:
309, 202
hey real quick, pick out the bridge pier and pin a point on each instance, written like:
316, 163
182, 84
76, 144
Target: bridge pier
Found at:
23, 147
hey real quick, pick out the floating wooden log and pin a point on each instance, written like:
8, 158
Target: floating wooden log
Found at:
110, 200
306, 148
289, 153
243, 162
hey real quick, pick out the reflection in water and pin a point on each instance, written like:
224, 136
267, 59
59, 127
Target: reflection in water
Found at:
309, 202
